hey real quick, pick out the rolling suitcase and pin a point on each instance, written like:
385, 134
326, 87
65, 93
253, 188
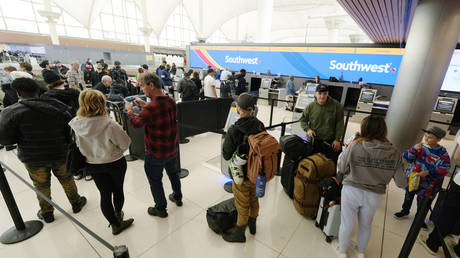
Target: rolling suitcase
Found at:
328, 219
287, 175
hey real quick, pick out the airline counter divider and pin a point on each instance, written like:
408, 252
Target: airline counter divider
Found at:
365, 103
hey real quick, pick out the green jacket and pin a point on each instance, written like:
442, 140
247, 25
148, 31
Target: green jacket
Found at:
326, 121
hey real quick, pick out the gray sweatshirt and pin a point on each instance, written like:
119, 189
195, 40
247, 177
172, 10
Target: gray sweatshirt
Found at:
100, 139
371, 165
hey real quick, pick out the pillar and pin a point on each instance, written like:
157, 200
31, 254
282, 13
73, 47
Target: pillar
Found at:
357, 38
146, 31
264, 20
51, 20
431, 41
333, 25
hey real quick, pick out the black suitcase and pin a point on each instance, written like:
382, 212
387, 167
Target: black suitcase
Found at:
295, 147
287, 175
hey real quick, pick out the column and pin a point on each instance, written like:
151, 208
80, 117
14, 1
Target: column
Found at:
51, 20
146, 31
357, 38
333, 25
431, 41
264, 20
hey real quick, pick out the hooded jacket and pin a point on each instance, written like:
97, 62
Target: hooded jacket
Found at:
67, 96
370, 165
100, 139
39, 127
235, 134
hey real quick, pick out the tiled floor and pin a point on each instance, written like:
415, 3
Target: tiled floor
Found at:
281, 231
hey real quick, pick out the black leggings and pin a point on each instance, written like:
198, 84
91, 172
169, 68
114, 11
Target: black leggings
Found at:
109, 180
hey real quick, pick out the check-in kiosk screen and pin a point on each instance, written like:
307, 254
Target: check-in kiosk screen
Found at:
445, 106
311, 88
367, 96
266, 83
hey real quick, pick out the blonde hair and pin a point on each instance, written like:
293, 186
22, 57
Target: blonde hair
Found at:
92, 103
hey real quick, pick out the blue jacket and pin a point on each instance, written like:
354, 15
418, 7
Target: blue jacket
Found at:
290, 88
166, 77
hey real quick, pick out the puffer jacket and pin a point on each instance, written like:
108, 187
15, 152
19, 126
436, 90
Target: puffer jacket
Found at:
67, 96
39, 127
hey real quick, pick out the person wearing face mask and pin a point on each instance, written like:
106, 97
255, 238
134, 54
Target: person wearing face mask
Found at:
322, 120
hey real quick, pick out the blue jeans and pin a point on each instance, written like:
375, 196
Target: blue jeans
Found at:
408, 198
154, 171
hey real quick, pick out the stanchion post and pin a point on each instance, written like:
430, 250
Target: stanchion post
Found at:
415, 227
182, 171
271, 111
346, 124
21, 231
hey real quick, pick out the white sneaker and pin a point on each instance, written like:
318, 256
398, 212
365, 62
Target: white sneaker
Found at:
335, 245
342, 255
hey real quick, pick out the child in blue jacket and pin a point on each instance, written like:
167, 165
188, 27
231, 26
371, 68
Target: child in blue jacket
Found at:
431, 161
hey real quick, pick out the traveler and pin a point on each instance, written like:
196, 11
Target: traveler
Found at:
104, 85
197, 81
290, 93
242, 85
225, 74
166, 78
247, 204
160, 68
75, 77
45, 64
210, 84
57, 90
118, 74
103, 141
322, 120
60, 69
187, 88
173, 69
100, 72
159, 118
26, 67
449, 217
42, 143
368, 164
431, 162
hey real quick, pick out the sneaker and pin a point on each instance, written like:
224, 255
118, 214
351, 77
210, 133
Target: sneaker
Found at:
156, 212
119, 215
1, 147
335, 245
360, 255
77, 208
78, 177
10, 147
88, 178
422, 240
117, 229
401, 215
48, 217
171, 198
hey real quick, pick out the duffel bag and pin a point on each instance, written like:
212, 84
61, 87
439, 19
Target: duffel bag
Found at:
222, 216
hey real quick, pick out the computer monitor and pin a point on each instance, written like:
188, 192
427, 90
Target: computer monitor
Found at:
311, 88
367, 96
266, 83
445, 105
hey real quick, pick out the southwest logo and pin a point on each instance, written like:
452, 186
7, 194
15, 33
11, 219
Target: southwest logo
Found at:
242, 60
355, 66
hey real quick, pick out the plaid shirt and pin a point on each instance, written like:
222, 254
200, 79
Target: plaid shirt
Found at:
159, 120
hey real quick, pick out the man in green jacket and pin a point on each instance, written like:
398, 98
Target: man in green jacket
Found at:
323, 120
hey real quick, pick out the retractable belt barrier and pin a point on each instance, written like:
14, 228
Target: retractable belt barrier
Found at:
22, 230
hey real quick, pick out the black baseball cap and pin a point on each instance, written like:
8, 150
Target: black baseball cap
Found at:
322, 88
245, 101
210, 70
436, 131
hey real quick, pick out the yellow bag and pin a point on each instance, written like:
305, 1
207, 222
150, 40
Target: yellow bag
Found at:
414, 181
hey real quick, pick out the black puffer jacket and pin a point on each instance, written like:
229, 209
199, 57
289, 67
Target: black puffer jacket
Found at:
66, 96
235, 134
39, 127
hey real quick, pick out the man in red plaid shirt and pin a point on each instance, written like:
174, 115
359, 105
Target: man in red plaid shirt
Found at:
160, 135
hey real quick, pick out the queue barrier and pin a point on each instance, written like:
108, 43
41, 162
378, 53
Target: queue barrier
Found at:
24, 230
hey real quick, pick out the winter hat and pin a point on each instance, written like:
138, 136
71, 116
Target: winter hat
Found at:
436, 131
50, 76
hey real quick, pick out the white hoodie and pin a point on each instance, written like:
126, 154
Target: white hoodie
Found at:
100, 139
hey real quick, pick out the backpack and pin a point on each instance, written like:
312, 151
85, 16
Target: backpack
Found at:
310, 172
295, 147
264, 153
118, 76
222, 216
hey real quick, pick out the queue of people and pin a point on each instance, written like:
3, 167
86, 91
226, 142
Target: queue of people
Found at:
368, 164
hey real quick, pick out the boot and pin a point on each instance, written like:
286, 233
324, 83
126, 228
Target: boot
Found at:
252, 225
236, 236
119, 227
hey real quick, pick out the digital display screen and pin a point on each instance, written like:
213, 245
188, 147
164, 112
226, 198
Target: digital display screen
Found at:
311, 88
452, 78
266, 83
367, 96
445, 106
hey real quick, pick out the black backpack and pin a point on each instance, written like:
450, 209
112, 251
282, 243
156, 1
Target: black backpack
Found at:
118, 76
222, 216
295, 147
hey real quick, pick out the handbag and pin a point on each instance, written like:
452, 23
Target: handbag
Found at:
75, 160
